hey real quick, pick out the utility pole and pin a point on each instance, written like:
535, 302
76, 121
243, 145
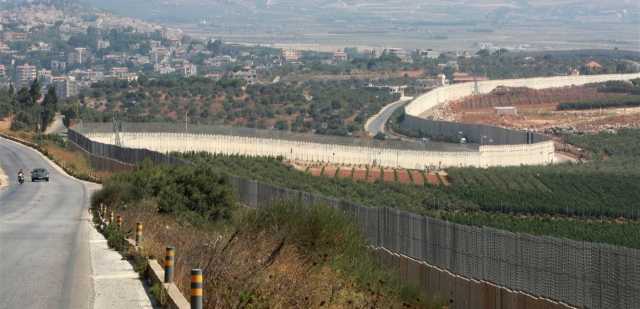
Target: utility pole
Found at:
476, 87
77, 106
116, 130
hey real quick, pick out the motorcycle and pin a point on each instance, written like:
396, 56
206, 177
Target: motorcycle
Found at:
20, 179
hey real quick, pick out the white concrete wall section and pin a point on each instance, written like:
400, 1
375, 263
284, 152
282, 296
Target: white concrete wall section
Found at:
423, 104
514, 155
341, 154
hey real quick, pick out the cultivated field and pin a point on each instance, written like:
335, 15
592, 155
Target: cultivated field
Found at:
373, 173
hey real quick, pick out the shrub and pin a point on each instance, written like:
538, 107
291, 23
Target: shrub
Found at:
180, 189
617, 102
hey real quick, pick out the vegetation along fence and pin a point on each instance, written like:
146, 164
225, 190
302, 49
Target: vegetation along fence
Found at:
583, 274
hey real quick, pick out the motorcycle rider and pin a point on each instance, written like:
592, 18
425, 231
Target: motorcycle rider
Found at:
20, 175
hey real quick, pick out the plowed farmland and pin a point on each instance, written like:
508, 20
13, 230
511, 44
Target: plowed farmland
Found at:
373, 174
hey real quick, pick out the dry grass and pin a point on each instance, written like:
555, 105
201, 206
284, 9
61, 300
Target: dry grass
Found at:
73, 160
252, 269
5, 124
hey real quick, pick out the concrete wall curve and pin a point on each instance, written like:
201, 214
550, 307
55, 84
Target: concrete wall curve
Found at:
487, 156
421, 106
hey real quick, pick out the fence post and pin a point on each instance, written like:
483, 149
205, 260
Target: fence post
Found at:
196, 288
138, 234
169, 260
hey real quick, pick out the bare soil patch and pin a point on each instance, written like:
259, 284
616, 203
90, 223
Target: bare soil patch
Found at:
538, 110
369, 173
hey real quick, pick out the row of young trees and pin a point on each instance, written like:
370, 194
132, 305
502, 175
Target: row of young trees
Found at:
30, 110
621, 94
556, 207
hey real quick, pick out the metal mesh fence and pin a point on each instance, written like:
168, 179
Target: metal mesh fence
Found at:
582, 274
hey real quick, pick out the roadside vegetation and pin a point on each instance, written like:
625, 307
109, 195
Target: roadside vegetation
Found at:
288, 255
72, 160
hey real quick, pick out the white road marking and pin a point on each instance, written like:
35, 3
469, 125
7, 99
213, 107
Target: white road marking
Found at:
4, 180
124, 275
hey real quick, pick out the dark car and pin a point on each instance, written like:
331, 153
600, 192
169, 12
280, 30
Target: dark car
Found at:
39, 174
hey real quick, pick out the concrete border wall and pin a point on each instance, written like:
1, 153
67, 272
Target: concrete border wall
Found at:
474, 133
583, 274
489, 155
421, 106
419, 112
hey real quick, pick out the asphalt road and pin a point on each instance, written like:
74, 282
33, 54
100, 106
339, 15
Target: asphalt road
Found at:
57, 126
377, 123
44, 229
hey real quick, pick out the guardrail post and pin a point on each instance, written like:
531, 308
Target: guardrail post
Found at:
138, 234
196, 288
169, 260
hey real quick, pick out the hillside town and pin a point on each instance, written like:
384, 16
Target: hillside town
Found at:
73, 48
319, 154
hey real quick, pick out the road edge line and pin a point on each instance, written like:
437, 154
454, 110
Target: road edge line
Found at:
4, 179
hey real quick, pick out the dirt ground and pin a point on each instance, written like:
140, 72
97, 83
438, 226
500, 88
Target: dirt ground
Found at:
537, 110
372, 173
5, 124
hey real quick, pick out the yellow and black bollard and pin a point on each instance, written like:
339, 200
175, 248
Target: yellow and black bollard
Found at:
196, 288
138, 234
169, 260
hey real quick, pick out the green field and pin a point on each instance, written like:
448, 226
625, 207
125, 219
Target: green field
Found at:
596, 201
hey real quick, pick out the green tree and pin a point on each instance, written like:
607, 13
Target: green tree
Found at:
49, 107
34, 91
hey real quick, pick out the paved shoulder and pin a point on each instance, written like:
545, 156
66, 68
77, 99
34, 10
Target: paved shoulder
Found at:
116, 283
45, 233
